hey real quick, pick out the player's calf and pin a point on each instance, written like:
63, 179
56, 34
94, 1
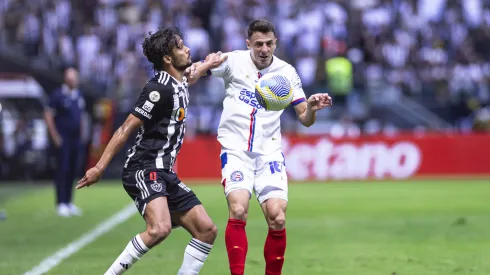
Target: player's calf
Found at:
197, 222
135, 249
198, 248
158, 227
235, 235
275, 244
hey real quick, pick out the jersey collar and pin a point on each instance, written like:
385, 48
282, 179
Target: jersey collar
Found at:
184, 79
68, 92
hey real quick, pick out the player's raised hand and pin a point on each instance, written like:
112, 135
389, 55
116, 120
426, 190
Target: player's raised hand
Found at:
191, 71
91, 177
216, 59
319, 101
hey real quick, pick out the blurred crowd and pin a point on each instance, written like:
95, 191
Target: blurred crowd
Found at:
435, 51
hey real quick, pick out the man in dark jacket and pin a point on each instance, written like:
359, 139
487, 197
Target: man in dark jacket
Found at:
63, 117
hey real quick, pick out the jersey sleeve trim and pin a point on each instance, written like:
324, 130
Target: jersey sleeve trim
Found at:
140, 113
298, 101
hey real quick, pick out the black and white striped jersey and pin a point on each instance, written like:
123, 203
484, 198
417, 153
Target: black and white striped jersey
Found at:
162, 106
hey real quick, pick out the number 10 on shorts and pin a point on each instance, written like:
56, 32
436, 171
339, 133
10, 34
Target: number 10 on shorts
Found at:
275, 166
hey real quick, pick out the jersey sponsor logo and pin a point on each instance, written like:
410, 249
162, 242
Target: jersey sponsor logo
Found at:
249, 98
236, 176
179, 114
143, 112
154, 96
148, 106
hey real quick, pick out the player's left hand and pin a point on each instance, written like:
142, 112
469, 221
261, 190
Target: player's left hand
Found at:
319, 101
191, 71
92, 176
215, 59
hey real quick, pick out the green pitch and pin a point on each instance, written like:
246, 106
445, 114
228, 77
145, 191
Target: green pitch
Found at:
405, 228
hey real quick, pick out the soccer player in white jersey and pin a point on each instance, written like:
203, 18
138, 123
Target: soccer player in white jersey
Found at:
251, 154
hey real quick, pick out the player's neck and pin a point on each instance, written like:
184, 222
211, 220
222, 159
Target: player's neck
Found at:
178, 75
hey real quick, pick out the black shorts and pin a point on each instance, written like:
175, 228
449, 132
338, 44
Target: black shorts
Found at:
143, 186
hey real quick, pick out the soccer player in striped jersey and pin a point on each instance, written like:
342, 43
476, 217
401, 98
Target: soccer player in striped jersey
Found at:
251, 154
148, 177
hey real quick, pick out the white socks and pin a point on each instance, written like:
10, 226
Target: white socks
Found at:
195, 254
133, 252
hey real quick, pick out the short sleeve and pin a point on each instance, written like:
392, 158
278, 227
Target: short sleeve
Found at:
51, 102
153, 102
224, 69
298, 93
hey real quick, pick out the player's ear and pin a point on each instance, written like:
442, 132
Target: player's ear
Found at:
248, 43
167, 59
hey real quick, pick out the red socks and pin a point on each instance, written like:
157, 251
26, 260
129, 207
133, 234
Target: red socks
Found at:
274, 249
236, 245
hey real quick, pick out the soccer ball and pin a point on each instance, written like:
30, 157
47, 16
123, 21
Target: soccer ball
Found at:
274, 92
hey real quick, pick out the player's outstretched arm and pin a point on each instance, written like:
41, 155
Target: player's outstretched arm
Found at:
115, 144
202, 68
306, 111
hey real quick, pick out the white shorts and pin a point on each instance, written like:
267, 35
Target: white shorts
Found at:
264, 174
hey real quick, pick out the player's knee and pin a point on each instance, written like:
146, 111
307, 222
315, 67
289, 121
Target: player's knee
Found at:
210, 234
276, 220
238, 212
207, 233
158, 232
213, 231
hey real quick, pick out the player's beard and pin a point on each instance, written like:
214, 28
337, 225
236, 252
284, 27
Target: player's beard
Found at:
181, 66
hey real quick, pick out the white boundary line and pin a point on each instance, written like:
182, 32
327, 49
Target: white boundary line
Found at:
75, 246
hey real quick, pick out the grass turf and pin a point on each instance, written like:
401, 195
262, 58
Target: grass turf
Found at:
402, 228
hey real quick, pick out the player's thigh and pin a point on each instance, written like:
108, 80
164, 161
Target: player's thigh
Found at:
237, 171
157, 215
197, 222
271, 180
148, 190
181, 201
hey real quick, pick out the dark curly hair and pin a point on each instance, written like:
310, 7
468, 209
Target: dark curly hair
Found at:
160, 44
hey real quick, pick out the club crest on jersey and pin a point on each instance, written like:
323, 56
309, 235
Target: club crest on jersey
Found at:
154, 96
156, 186
236, 176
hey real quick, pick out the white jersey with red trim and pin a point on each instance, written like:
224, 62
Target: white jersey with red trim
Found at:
244, 124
